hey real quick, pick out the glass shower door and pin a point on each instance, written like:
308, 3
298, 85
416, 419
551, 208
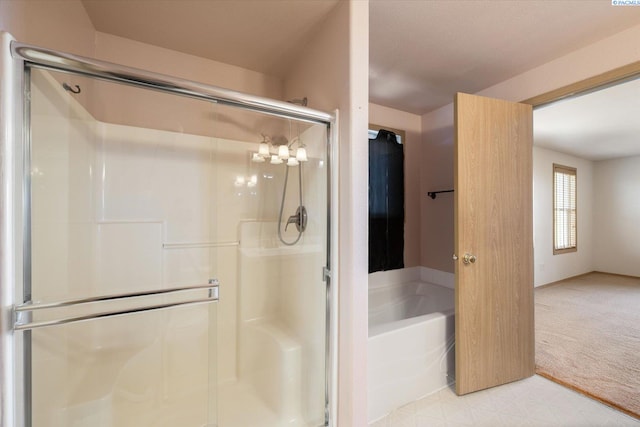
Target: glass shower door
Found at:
120, 315
273, 312
144, 208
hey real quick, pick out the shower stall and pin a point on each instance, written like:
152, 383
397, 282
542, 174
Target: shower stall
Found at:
169, 242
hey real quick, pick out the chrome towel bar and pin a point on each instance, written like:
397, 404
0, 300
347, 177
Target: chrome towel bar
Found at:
23, 313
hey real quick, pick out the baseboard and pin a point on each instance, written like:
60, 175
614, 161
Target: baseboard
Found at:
628, 276
561, 281
557, 282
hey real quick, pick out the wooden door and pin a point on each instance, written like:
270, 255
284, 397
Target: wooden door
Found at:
493, 226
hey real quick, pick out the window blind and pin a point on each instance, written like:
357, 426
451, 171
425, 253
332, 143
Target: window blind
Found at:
564, 209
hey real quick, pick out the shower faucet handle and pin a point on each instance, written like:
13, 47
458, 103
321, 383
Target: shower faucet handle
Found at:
299, 219
293, 219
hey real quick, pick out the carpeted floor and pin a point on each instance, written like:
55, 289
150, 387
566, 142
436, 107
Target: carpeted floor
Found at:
588, 337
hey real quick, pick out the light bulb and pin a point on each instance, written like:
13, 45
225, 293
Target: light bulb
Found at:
283, 152
301, 154
263, 150
257, 158
292, 162
275, 160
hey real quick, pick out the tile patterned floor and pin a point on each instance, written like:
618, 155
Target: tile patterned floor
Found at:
534, 401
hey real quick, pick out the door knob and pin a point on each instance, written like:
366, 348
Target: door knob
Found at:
469, 259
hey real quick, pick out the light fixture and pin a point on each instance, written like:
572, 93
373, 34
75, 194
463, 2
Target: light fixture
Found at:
301, 154
283, 151
275, 160
263, 149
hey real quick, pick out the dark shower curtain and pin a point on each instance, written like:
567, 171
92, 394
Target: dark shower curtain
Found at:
386, 202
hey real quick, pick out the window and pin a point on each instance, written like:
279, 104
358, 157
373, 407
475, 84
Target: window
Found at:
386, 201
564, 210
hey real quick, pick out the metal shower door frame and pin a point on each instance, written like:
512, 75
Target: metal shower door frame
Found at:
16, 59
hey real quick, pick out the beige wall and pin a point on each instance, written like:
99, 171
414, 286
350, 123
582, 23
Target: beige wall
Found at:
153, 58
65, 25
436, 174
55, 24
114, 104
549, 267
616, 213
333, 73
413, 194
437, 154
608, 209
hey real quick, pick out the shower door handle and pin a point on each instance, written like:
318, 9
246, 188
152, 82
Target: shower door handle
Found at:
23, 314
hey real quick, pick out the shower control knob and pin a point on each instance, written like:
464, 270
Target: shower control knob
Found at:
469, 259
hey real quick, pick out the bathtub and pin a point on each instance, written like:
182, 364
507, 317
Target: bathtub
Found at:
411, 337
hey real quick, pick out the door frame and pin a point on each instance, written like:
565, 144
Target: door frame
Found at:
589, 84
585, 86
600, 81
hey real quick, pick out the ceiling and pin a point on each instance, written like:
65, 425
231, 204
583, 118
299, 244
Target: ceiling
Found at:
421, 51
597, 126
